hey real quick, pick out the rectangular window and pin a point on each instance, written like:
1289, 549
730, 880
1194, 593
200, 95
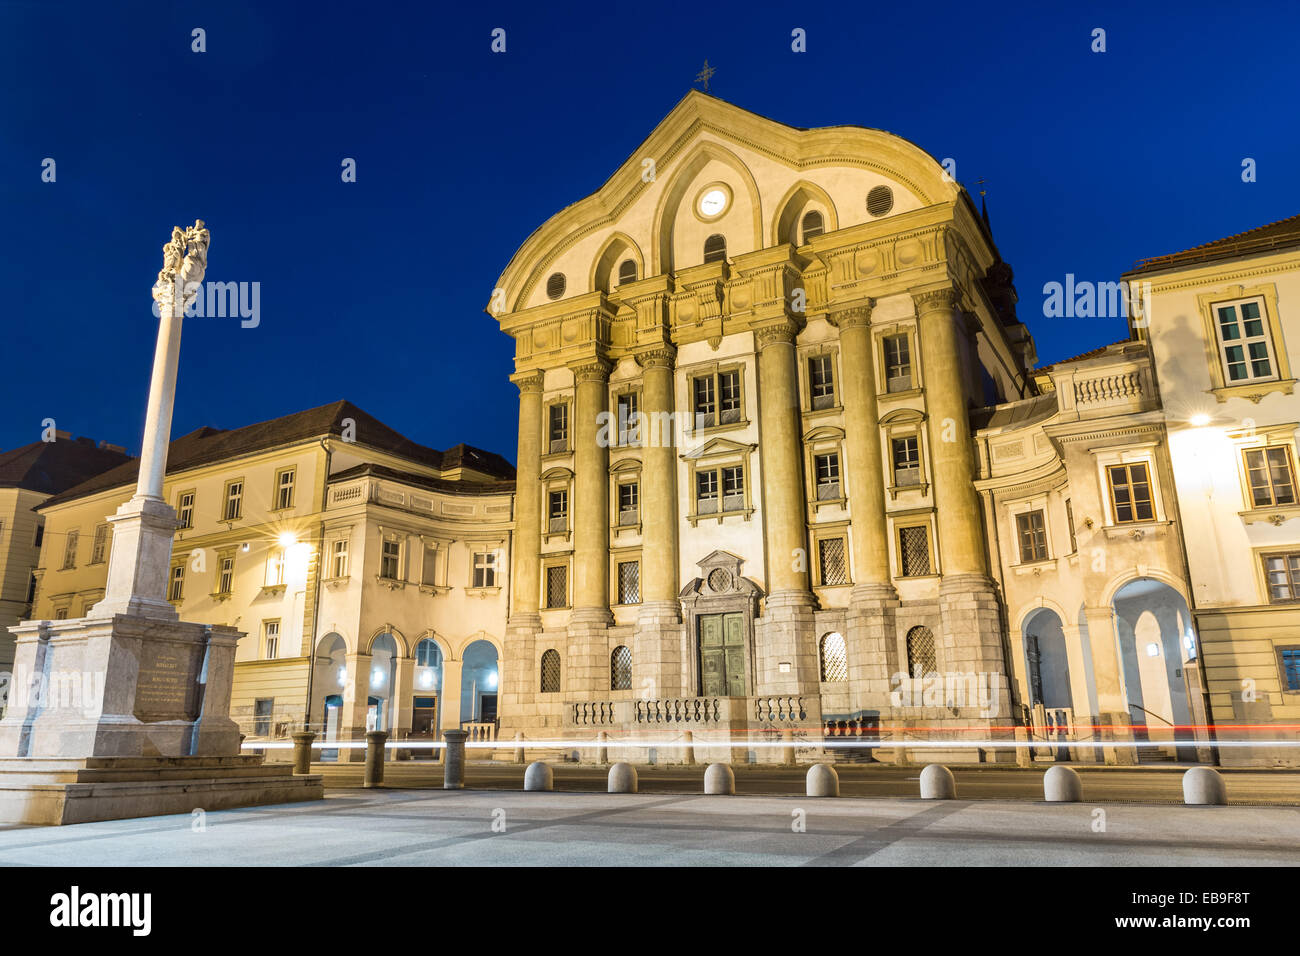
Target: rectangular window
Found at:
429, 566
557, 512
40, 534
1032, 536
557, 586
185, 510
275, 568
715, 398
99, 547
706, 492
629, 582
1289, 657
234, 501
339, 558
832, 561
558, 428
907, 461
821, 381
61, 614
914, 551
827, 470
1282, 572
898, 363
720, 491
1130, 492
733, 489
485, 569
70, 550
176, 583
1069, 520
389, 558
628, 501
729, 397
226, 575
262, 708
1244, 341
629, 427
271, 639
284, 489
1272, 481
705, 401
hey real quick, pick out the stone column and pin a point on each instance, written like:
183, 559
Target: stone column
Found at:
969, 608
518, 693
356, 690
872, 639
587, 664
449, 704
657, 650
1112, 716
787, 626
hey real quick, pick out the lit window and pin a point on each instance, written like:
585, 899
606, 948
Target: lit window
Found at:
234, 501
1243, 341
284, 490
185, 510
271, 639
275, 568
1130, 492
339, 558
1032, 535
226, 575
835, 658
1272, 481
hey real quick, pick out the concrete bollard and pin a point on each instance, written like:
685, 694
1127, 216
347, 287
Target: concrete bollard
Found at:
453, 766
622, 778
1203, 787
938, 783
539, 776
719, 779
374, 772
302, 742
1062, 785
822, 781
787, 747
688, 749
602, 752
519, 748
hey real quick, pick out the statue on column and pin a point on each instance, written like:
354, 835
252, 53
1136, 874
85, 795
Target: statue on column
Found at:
185, 260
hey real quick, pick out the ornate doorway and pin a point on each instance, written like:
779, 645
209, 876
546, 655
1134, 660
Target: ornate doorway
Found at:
722, 654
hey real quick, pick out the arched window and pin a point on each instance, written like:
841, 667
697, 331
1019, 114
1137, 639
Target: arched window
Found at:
551, 672
812, 225
620, 668
835, 659
715, 248
427, 653
627, 271
920, 652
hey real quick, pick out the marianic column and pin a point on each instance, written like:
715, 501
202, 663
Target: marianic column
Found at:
872, 640
787, 635
587, 667
970, 620
518, 690
656, 656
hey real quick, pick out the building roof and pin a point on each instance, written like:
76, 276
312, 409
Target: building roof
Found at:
1282, 234
1084, 356
206, 445
55, 466
424, 481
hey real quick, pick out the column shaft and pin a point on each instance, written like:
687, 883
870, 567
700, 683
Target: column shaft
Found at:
525, 588
591, 489
784, 523
658, 481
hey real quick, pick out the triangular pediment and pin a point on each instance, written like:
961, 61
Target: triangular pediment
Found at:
718, 448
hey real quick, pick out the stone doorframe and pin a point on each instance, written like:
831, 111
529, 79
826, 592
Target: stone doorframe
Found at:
720, 589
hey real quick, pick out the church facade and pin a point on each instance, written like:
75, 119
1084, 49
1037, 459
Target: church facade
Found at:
746, 467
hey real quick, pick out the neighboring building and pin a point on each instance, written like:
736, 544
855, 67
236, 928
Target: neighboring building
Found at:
796, 325
1223, 322
323, 529
28, 476
1082, 512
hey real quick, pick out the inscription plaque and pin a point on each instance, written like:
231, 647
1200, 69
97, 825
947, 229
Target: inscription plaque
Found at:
167, 687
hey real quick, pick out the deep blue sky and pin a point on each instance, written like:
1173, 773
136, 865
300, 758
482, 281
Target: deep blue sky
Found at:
374, 291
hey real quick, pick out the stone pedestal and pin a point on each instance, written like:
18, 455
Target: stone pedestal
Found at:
657, 651
872, 644
140, 560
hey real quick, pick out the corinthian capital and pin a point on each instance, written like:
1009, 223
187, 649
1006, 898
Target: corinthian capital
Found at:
935, 300
661, 357
529, 382
592, 370
782, 332
854, 316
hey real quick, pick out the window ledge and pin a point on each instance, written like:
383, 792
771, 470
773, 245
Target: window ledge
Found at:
830, 411
906, 393
557, 455
483, 592
1254, 391
695, 519
335, 583
219, 596
1276, 516
933, 575
711, 429
547, 536
923, 488
435, 589
273, 589
818, 503
391, 583
1137, 530
617, 529
1035, 567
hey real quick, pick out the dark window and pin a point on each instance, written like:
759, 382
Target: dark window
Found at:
715, 248
920, 652
388, 560
914, 551
627, 408
1130, 492
812, 225
1290, 657
555, 285
907, 461
620, 668
706, 492
557, 586
898, 363
551, 672
1069, 519
827, 468
262, 708
629, 582
733, 489
558, 429
832, 561
1032, 536
627, 271
1272, 481
880, 200
557, 512
729, 396
821, 381
628, 496
1282, 572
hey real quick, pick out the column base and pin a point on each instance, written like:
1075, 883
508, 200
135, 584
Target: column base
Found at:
656, 655
786, 651
872, 645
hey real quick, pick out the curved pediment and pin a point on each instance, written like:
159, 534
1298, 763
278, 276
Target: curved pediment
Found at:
902, 416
